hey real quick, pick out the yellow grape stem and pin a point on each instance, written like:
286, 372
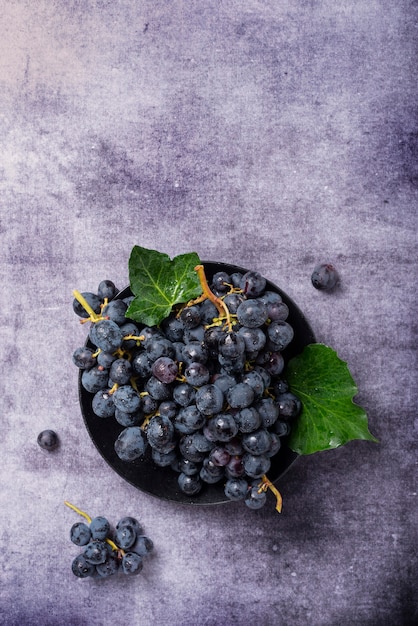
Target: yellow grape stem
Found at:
79, 511
94, 317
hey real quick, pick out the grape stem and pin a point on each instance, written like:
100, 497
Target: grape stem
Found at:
208, 294
87, 517
94, 317
267, 484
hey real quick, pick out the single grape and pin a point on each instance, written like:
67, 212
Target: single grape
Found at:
165, 369
256, 465
219, 456
96, 552
257, 442
168, 408
158, 390
173, 328
102, 403
160, 431
275, 363
255, 380
184, 394
280, 334
190, 485
129, 419
128, 520
278, 311
268, 410
149, 404
48, 440
106, 335
125, 536
142, 365
252, 313
235, 468
208, 312
209, 399
80, 534
223, 427
130, 444
196, 374
95, 378
255, 498
324, 277
231, 345
195, 352
106, 289
252, 284
232, 301
83, 358
105, 359
131, 563
159, 346
254, 338
189, 419
289, 406
99, 527
109, 567
236, 488
143, 545
126, 399
282, 429
240, 396
115, 311
220, 282
121, 371
190, 316
82, 568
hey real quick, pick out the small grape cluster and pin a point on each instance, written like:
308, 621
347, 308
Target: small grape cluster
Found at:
203, 390
106, 553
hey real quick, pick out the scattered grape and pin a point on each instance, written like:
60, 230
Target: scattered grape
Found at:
48, 440
324, 277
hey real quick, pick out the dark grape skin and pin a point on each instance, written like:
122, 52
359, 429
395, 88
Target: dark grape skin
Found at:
80, 534
48, 440
81, 568
106, 289
324, 277
83, 358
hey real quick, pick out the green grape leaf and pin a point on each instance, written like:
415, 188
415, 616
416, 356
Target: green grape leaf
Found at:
158, 283
329, 417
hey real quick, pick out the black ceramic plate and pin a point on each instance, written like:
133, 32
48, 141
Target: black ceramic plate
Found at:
162, 482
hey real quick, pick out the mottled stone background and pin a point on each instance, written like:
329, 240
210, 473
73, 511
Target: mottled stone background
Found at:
269, 134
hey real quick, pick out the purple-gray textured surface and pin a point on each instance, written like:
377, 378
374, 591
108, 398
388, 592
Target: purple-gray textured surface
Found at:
272, 135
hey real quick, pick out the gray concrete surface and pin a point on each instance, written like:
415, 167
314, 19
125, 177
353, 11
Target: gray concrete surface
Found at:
272, 135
